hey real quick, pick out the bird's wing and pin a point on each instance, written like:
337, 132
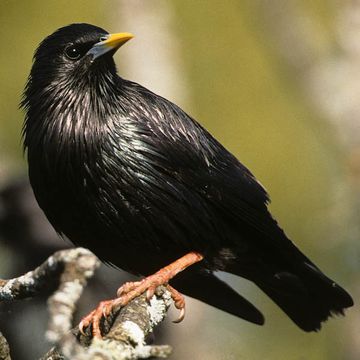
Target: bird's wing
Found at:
199, 194
176, 159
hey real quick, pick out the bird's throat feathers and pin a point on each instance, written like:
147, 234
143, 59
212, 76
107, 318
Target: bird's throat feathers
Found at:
67, 117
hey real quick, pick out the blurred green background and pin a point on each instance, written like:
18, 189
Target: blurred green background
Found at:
249, 80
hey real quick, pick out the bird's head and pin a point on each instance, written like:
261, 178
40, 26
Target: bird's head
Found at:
74, 52
73, 73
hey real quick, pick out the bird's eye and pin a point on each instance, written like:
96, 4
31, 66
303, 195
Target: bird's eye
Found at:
72, 52
103, 38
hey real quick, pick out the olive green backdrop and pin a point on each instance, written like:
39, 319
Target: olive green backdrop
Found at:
249, 97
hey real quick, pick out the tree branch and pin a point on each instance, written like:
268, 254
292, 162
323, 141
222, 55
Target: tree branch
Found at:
125, 337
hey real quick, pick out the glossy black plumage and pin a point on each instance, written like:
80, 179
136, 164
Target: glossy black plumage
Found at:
128, 174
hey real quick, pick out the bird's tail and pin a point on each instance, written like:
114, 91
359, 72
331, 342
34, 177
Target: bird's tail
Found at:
299, 288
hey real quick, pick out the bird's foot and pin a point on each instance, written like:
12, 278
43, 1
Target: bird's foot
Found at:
150, 284
103, 310
131, 290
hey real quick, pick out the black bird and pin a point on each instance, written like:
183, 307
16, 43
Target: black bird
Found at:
131, 176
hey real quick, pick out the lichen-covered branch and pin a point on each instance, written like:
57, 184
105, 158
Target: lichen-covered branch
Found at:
80, 266
74, 266
68, 268
124, 336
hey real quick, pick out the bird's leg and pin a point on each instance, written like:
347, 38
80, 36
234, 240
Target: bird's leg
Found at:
131, 290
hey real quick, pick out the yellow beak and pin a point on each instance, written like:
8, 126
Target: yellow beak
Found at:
110, 42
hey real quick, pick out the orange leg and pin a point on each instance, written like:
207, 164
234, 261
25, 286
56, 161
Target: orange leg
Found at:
131, 290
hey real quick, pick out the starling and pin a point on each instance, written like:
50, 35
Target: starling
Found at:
131, 176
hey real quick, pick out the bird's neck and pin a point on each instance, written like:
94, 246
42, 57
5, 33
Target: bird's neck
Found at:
66, 120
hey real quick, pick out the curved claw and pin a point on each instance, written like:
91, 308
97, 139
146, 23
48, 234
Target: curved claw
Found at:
81, 327
85, 322
150, 293
181, 316
105, 311
179, 302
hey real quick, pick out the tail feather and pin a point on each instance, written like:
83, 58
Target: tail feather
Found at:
303, 292
206, 287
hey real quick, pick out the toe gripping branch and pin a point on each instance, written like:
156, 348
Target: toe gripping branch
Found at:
131, 290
